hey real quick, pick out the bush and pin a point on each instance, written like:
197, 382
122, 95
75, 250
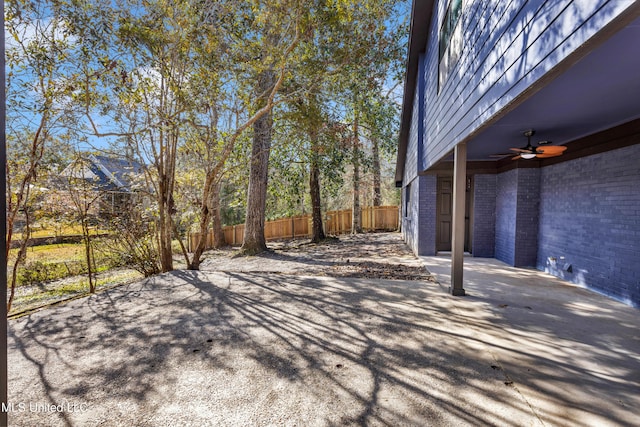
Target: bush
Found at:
39, 272
135, 245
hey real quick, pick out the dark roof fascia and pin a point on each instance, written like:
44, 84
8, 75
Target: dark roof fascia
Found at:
421, 15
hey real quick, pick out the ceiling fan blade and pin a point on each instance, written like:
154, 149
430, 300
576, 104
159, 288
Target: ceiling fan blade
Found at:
516, 157
520, 150
552, 149
546, 155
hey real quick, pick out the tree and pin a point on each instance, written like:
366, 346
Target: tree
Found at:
39, 100
253, 240
154, 100
379, 50
84, 191
275, 45
317, 230
381, 124
216, 139
338, 49
184, 82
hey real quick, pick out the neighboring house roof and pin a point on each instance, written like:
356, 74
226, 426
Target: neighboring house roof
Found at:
119, 171
109, 173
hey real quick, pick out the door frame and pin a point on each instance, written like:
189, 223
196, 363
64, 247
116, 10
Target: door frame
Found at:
469, 205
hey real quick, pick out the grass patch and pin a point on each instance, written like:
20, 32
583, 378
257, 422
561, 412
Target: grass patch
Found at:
52, 262
31, 297
68, 230
53, 253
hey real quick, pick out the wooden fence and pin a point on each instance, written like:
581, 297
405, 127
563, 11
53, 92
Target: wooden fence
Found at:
378, 218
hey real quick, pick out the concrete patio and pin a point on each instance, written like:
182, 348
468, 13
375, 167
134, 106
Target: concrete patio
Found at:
258, 349
573, 355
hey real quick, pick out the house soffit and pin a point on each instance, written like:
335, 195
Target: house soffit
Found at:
599, 91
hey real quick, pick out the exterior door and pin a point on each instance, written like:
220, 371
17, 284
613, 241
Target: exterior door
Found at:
444, 219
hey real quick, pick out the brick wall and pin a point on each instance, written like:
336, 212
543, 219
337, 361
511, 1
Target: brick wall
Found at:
484, 216
590, 216
427, 225
418, 228
516, 226
505, 226
527, 211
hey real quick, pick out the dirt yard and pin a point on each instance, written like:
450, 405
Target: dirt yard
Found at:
316, 341
368, 256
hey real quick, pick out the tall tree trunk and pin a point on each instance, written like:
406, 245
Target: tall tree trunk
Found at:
317, 232
254, 241
216, 216
209, 214
88, 252
205, 209
165, 206
377, 194
356, 224
22, 254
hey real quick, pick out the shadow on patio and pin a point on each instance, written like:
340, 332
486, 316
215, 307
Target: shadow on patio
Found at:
198, 348
571, 353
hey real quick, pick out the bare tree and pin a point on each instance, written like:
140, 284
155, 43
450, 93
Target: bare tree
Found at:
83, 188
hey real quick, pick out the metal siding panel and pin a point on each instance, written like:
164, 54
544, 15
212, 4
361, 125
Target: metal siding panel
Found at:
411, 160
539, 35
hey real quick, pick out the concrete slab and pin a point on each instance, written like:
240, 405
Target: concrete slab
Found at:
251, 349
573, 355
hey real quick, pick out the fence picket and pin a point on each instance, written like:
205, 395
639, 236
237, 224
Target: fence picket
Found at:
374, 218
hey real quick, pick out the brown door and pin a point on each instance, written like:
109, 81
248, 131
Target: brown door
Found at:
444, 219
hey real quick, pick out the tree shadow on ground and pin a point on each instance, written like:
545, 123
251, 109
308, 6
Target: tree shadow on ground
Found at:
204, 348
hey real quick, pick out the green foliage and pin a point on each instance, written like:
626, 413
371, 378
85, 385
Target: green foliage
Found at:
175, 83
40, 271
233, 199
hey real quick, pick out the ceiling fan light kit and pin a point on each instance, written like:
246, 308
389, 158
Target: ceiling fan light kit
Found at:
530, 152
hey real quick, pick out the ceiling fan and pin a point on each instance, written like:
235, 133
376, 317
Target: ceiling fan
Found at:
531, 152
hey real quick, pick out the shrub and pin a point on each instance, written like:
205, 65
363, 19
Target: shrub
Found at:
135, 245
39, 272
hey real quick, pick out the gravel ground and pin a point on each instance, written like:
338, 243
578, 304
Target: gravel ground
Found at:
378, 255
372, 256
303, 344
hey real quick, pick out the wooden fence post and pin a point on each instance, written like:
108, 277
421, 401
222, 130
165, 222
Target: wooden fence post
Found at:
335, 222
372, 217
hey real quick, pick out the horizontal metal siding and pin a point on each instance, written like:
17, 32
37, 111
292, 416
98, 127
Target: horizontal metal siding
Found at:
411, 160
508, 46
430, 79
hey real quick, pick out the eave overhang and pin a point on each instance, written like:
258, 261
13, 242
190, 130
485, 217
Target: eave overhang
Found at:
421, 15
